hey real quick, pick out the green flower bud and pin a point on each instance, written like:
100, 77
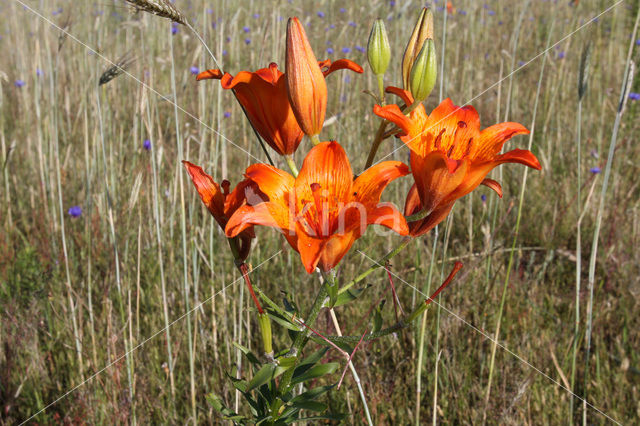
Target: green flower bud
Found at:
378, 49
423, 72
421, 32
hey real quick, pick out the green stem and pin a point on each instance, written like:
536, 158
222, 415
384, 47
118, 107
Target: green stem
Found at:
418, 216
297, 346
315, 139
376, 143
380, 78
291, 164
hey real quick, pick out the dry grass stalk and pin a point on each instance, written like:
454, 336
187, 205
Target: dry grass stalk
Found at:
159, 7
116, 69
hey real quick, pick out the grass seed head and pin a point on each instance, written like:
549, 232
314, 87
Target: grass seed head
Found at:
159, 7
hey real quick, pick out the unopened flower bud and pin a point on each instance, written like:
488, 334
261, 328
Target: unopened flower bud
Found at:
423, 72
421, 32
378, 49
306, 87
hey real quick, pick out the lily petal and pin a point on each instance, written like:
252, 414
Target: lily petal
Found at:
386, 214
437, 177
405, 95
209, 74
309, 248
209, 191
266, 214
273, 182
328, 67
494, 137
368, 187
326, 165
493, 185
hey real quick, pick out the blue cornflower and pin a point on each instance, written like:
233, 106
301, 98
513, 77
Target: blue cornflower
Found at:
194, 70
483, 198
246, 29
146, 144
360, 49
634, 96
352, 24
39, 72
247, 41
561, 54
256, 15
329, 50
174, 28
320, 14
227, 114
19, 83
75, 211
346, 50
343, 10
595, 170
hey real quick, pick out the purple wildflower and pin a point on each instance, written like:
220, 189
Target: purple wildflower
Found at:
39, 72
360, 49
343, 10
194, 70
246, 29
346, 50
595, 170
352, 24
247, 41
320, 14
146, 144
75, 211
329, 50
561, 54
256, 15
483, 198
19, 83
227, 114
634, 96
174, 28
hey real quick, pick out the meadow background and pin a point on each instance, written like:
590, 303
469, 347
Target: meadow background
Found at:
68, 308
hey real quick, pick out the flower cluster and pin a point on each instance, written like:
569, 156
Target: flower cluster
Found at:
324, 209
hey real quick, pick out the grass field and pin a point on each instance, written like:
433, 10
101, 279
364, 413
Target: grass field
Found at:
71, 306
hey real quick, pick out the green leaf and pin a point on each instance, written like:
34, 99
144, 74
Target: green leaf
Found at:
239, 384
349, 295
287, 362
317, 371
250, 355
314, 357
284, 322
217, 404
312, 394
310, 405
266, 373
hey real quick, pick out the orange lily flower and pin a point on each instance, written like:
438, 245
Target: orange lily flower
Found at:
306, 87
324, 210
450, 155
221, 203
263, 94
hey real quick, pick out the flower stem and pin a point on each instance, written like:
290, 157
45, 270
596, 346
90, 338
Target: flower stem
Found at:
315, 139
376, 143
291, 164
298, 343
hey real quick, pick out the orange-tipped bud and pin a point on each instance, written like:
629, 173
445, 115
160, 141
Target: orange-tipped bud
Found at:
306, 87
421, 32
